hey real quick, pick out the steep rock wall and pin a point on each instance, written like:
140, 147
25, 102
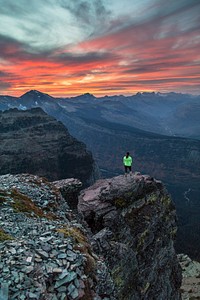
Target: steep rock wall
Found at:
133, 222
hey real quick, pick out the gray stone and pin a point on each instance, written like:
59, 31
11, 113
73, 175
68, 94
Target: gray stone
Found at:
74, 294
29, 259
38, 260
5, 269
45, 239
4, 291
64, 273
57, 270
42, 253
62, 289
68, 278
62, 255
63, 296
62, 246
77, 283
71, 288
12, 251
15, 295
29, 269
33, 296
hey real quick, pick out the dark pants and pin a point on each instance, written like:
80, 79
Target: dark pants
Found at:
127, 168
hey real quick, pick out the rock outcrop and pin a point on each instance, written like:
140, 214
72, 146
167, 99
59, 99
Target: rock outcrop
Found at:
133, 222
33, 142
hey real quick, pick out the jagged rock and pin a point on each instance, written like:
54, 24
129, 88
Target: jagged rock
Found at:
33, 142
133, 221
69, 189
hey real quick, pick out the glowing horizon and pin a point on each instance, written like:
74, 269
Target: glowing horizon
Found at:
65, 49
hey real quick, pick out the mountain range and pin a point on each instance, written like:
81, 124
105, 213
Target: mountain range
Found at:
161, 131
170, 114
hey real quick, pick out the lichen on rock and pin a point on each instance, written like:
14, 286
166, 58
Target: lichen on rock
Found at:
4, 236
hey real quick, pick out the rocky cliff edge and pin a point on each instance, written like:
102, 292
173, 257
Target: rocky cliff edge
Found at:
133, 222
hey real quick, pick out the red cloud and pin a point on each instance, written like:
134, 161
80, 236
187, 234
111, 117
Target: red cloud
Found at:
145, 57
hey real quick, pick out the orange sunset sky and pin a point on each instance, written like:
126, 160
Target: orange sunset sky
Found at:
67, 48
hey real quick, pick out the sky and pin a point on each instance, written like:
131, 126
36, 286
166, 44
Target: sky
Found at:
102, 47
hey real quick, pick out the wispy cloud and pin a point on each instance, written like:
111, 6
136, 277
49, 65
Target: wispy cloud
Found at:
68, 47
49, 24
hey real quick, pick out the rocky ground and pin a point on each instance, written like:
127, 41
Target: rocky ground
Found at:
190, 288
44, 252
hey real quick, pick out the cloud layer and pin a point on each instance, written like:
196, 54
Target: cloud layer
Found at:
103, 47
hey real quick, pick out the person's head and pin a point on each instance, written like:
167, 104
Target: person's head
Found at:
127, 154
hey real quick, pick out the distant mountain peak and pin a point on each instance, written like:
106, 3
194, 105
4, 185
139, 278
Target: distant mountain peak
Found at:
87, 95
35, 93
145, 93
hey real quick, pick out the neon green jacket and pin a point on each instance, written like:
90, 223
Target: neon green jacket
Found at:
127, 161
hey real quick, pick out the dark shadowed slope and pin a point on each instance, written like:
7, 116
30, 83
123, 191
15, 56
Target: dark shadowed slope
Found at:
33, 142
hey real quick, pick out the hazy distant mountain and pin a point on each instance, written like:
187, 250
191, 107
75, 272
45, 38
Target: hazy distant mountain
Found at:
170, 114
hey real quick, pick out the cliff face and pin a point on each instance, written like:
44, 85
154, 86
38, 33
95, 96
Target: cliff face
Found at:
33, 142
133, 222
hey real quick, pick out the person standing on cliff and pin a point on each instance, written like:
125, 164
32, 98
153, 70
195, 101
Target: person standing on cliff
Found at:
127, 161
